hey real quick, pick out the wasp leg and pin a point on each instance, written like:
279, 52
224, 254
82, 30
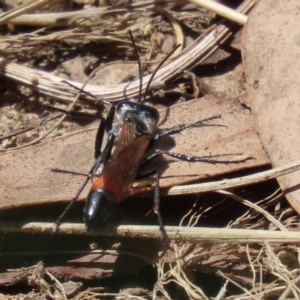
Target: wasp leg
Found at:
141, 174
101, 157
156, 205
104, 126
182, 127
156, 201
156, 209
191, 158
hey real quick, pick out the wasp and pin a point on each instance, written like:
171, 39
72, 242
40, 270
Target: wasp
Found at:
124, 153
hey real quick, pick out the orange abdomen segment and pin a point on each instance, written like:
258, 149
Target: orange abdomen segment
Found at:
110, 182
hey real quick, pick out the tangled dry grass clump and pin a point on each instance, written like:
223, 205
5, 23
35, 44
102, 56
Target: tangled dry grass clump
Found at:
247, 237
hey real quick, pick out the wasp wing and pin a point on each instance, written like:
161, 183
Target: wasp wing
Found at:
120, 170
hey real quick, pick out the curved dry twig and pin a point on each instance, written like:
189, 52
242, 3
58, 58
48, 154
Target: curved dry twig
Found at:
53, 86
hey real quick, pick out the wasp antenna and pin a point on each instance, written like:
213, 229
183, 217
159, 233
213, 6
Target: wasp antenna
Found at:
157, 68
139, 64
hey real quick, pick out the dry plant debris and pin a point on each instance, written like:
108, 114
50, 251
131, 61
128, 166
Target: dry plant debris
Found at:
273, 88
88, 44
